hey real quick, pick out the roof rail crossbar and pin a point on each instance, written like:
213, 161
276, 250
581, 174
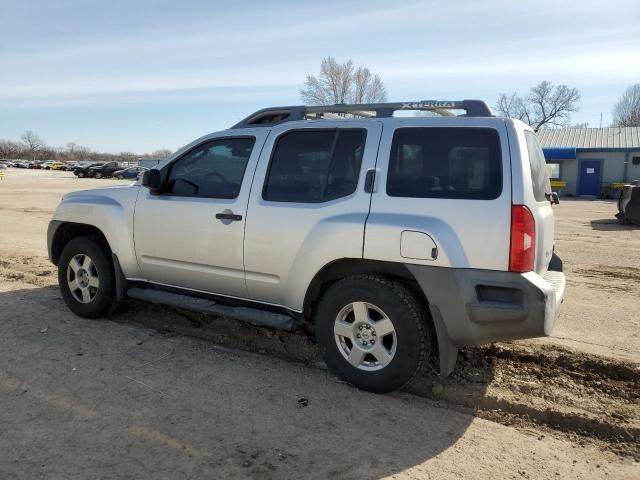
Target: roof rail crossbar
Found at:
276, 115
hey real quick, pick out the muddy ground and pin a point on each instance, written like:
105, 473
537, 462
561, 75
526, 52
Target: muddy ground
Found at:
166, 393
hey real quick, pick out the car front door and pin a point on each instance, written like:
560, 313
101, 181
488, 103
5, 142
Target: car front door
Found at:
190, 234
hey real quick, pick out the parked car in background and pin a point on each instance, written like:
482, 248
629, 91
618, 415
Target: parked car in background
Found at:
55, 166
105, 170
34, 165
82, 171
7, 163
71, 166
131, 172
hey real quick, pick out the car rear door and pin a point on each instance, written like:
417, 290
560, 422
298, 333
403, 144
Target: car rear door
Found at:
308, 205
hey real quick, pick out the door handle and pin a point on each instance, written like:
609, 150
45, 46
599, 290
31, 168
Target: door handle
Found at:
370, 180
228, 216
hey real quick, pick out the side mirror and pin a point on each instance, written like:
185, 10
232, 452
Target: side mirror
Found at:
555, 198
151, 180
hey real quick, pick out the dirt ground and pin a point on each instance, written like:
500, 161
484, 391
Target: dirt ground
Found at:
155, 392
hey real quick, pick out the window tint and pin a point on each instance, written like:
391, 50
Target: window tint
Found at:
539, 175
445, 163
213, 170
311, 166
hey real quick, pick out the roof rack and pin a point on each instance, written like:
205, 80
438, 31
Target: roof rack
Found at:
277, 115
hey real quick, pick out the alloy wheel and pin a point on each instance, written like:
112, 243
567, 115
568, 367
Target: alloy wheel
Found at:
365, 336
82, 278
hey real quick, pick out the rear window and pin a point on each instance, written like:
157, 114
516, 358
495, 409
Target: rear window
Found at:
460, 162
539, 172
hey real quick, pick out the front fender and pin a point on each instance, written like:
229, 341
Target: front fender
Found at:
111, 211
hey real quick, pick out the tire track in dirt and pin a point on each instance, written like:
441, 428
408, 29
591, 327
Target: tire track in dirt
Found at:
581, 395
555, 390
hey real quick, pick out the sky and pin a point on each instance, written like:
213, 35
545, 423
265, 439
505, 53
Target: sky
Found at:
140, 75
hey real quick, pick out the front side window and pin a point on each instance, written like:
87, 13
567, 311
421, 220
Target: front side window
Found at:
437, 162
212, 170
313, 166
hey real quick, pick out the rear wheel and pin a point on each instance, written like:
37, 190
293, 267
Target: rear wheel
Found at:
86, 278
98, 175
371, 332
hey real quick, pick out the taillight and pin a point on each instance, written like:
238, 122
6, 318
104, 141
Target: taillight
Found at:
523, 239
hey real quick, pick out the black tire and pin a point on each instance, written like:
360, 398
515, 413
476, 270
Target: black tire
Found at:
81, 175
404, 310
103, 302
98, 175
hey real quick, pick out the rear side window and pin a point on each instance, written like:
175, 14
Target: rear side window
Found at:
539, 172
462, 163
313, 166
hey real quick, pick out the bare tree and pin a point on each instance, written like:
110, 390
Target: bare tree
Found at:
161, 154
342, 83
10, 150
367, 87
83, 153
33, 142
71, 149
545, 106
33, 146
626, 112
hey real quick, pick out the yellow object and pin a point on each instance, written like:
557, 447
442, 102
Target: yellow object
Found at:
618, 184
1, 175
56, 166
558, 183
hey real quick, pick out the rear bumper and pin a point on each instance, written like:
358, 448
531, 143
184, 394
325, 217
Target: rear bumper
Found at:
484, 306
552, 284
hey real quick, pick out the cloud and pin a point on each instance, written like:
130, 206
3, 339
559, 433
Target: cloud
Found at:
249, 49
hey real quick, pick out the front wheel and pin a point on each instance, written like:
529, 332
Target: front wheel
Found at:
86, 278
371, 332
98, 175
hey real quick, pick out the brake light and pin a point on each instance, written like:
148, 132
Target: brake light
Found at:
523, 239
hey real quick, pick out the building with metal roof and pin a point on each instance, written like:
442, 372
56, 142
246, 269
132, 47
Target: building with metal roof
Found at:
587, 161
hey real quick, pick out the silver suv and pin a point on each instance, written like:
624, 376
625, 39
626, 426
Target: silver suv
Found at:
393, 235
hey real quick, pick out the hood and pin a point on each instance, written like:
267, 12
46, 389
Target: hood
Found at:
114, 192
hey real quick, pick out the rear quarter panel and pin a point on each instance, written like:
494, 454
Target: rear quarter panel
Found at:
523, 195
